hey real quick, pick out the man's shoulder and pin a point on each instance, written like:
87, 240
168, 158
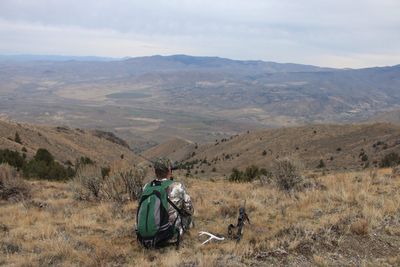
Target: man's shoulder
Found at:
157, 180
175, 185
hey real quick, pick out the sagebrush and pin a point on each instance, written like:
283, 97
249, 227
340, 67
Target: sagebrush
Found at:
12, 186
119, 185
87, 183
287, 173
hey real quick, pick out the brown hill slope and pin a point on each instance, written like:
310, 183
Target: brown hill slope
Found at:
339, 146
176, 149
389, 117
64, 143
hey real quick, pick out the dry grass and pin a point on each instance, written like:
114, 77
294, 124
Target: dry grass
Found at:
360, 227
12, 186
120, 185
354, 221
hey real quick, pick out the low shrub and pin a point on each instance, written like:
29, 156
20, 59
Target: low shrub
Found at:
114, 188
390, 160
44, 155
396, 171
249, 174
287, 173
13, 158
265, 177
120, 185
83, 161
321, 164
105, 171
134, 182
12, 186
17, 138
236, 175
44, 166
87, 183
360, 227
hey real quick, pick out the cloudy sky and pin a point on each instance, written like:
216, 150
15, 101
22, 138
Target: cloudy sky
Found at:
337, 33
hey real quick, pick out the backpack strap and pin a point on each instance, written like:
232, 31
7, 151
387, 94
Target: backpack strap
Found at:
180, 212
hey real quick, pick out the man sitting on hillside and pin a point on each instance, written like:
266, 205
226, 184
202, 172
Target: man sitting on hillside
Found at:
165, 209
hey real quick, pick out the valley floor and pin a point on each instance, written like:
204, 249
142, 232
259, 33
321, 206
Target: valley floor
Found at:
349, 219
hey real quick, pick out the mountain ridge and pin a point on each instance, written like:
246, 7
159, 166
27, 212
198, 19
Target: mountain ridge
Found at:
184, 58
66, 144
340, 147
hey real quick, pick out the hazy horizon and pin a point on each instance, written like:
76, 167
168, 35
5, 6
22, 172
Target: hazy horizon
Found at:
106, 58
362, 33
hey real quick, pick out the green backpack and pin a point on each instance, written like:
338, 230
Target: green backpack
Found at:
152, 219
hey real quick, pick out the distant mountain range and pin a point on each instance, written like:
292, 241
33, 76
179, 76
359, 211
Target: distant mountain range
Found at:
151, 99
190, 63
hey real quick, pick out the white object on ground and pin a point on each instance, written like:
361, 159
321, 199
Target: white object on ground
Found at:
211, 237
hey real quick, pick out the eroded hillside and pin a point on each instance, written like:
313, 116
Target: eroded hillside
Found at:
340, 147
64, 143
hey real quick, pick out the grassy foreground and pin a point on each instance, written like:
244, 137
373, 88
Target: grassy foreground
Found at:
346, 219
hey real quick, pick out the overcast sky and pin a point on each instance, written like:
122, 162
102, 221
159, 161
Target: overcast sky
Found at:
337, 33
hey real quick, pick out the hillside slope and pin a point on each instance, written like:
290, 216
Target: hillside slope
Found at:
339, 146
389, 117
176, 149
64, 143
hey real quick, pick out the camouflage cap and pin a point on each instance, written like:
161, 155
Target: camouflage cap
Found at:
162, 164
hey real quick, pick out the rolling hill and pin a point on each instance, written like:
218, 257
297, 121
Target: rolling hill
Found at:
389, 117
64, 143
175, 149
340, 147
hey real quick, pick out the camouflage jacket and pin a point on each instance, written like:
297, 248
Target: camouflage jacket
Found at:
178, 195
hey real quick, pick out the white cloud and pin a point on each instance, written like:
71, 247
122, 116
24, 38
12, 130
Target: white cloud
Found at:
321, 32
64, 40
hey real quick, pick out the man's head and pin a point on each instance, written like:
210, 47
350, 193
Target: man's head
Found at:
162, 168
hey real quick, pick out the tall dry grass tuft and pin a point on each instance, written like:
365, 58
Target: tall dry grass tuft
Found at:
396, 171
134, 181
360, 227
87, 182
114, 188
287, 174
124, 184
119, 186
12, 187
